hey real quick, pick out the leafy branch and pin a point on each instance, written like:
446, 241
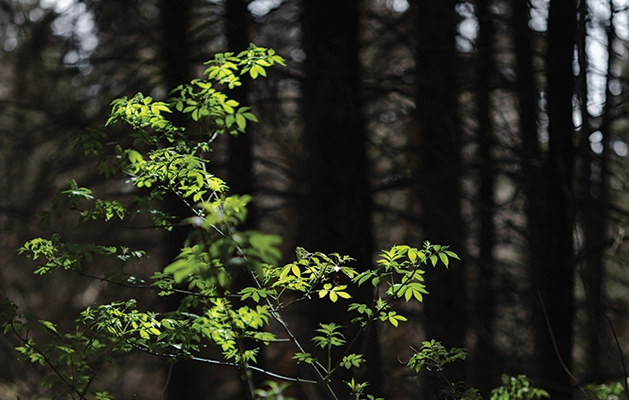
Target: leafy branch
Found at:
158, 158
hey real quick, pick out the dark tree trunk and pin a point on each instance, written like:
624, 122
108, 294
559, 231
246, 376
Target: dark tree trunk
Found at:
440, 164
241, 178
186, 377
593, 191
175, 48
595, 219
336, 212
532, 159
484, 371
556, 273
339, 206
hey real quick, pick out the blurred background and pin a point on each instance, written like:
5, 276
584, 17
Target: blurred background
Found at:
498, 127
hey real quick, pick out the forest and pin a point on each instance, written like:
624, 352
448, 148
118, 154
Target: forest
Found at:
247, 199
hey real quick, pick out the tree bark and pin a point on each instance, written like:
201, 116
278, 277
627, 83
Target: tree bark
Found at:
592, 216
186, 377
555, 272
484, 371
446, 310
335, 214
533, 164
240, 164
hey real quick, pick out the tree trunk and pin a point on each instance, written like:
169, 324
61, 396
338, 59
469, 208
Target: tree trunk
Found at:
240, 164
532, 161
440, 165
484, 371
555, 272
241, 180
186, 377
593, 218
335, 215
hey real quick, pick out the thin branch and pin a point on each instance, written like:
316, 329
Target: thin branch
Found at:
226, 364
622, 356
49, 363
552, 337
170, 371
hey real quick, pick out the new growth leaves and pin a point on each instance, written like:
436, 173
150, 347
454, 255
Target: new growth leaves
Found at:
155, 158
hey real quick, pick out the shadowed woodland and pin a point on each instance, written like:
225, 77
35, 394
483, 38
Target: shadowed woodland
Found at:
497, 127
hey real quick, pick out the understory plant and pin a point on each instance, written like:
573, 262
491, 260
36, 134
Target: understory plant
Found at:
158, 163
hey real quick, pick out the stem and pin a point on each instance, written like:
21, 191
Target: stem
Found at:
552, 337
170, 371
622, 357
329, 371
276, 315
245, 375
223, 363
324, 381
49, 363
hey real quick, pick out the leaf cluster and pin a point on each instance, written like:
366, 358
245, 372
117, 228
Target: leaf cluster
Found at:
157, 158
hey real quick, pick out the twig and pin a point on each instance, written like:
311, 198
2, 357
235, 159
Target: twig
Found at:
552, 338
223, 363
622, 357
170, 371
49, 363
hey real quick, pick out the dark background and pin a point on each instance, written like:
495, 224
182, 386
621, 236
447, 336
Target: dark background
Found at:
497, 127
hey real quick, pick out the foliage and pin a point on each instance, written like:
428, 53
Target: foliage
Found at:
610, 391
162, 159
517, 388
274, 391
158, 159
434, 357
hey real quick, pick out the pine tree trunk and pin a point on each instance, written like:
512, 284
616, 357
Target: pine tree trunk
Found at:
484, 371
186, 377
556, 272
335, 215
446, 310
240, 164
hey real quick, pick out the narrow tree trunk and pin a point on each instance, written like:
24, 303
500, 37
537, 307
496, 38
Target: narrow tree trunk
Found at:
532, 162
241, 178
335, 215
440, 164
596, 218
484, 357
186, 377
556, 273
593, 191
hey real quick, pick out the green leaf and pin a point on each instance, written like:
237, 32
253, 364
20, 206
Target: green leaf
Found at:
49, 325
250, 117
412, 255
434, 259
444, 259
135, 156
452, 254
241, 121
304, 358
